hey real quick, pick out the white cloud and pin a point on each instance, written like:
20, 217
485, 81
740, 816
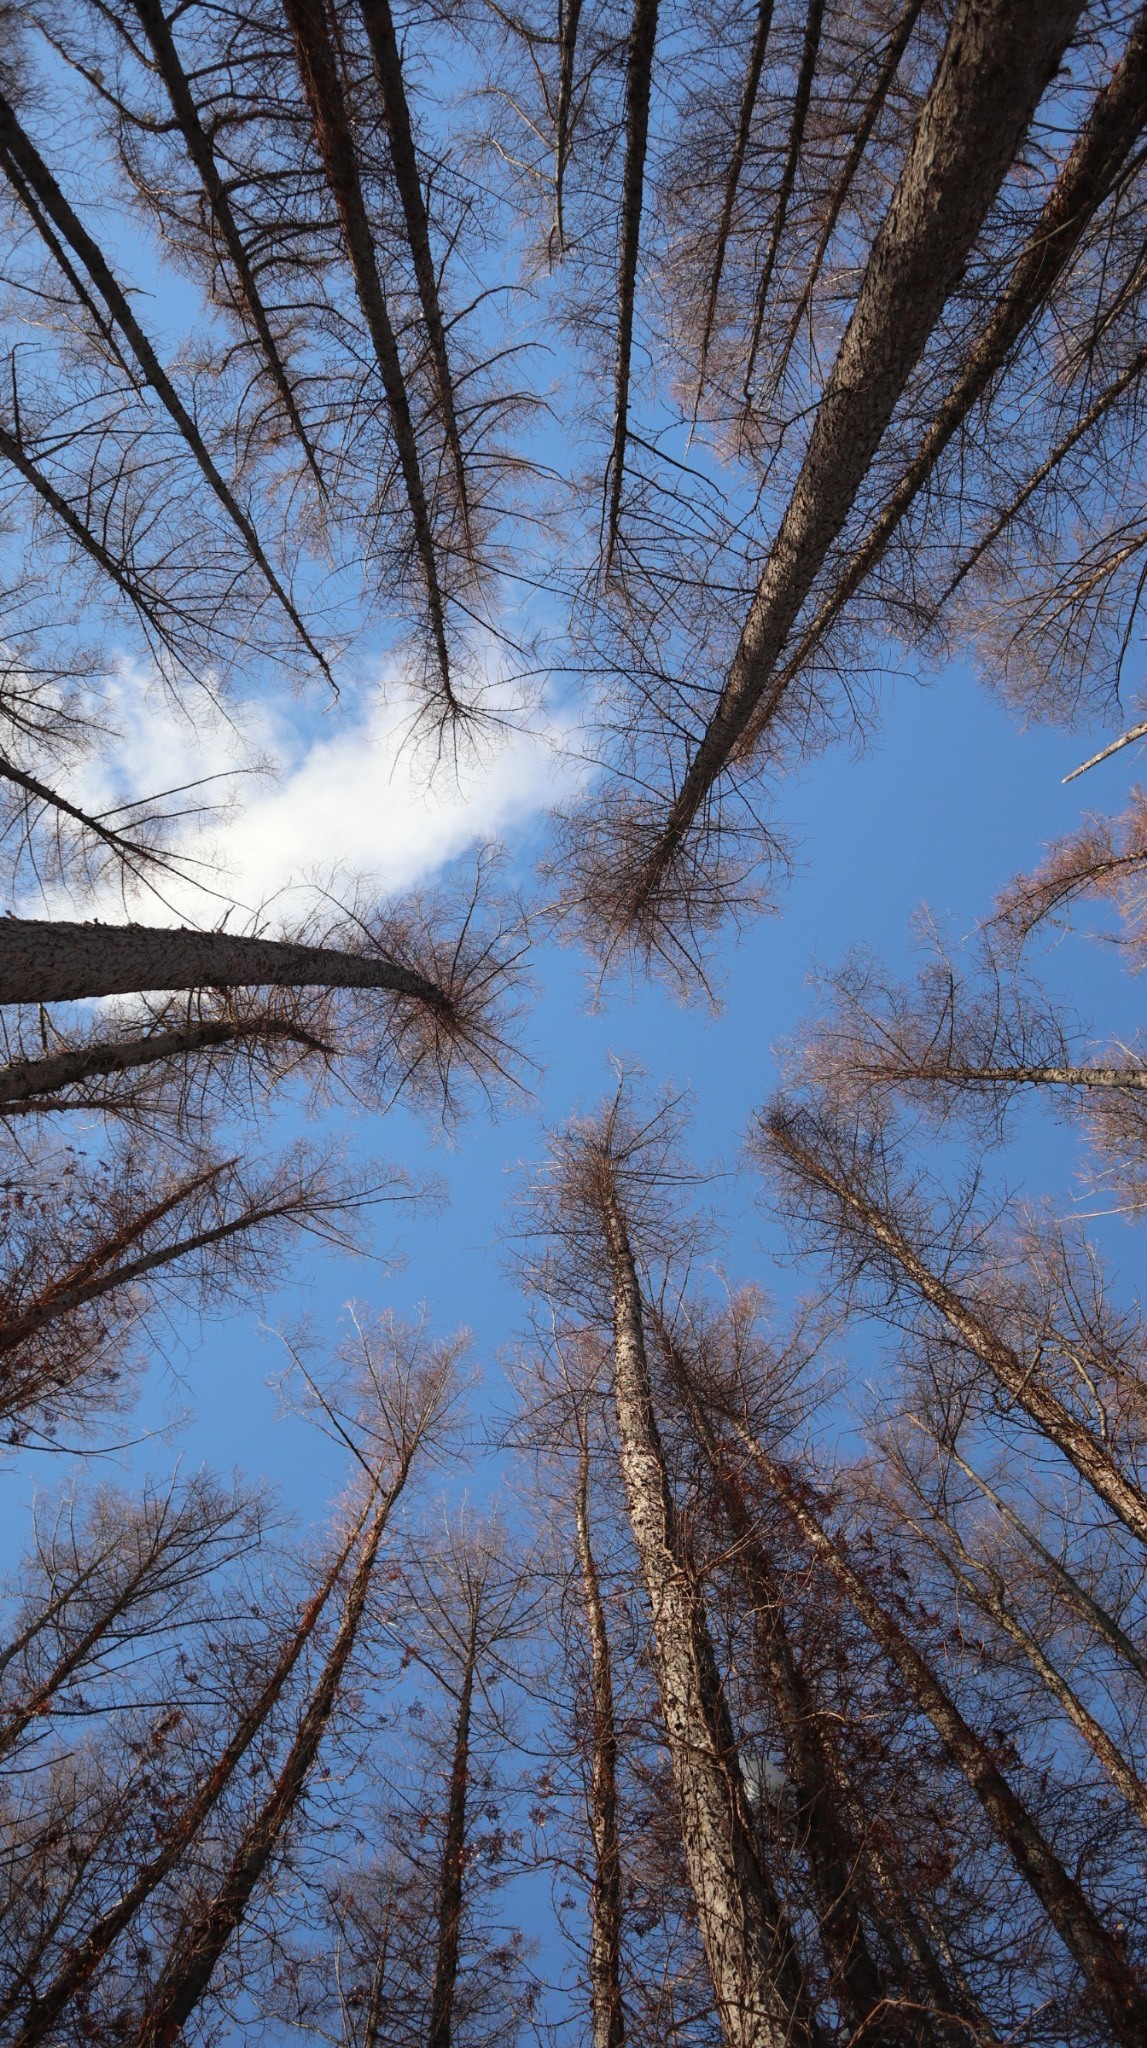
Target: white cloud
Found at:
308, 797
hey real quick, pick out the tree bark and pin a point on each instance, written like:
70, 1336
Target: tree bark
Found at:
452, 1871
1113, 1984
753, 1961
608, 2017
753, 71
638, 81
29, 1085
48, 960
813, 19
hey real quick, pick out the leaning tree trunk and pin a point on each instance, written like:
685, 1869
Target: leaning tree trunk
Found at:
28, 1087
86, 1957
753, 1962
48, 960
999, 59
1114, 1985
191, 1964
1091, 1459
608, 2028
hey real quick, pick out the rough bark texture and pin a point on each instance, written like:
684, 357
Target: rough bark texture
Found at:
1114, 1986
1089, 1457
752, 1959
608, 2018
46, 2008
452, 1872
997, 63
44, 960
823, 1829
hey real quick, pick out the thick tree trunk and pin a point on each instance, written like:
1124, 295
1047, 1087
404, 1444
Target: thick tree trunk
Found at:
753, 1962
999, 59
834, 1856
1114, 1985
452, 1871
608, 2018
191, 1964
1090, 1458
45, 960
84, 1960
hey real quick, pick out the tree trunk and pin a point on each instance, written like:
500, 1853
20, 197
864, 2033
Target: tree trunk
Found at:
1090, 1459
29, 1085
48, 960
1114, 1985
85, 1959
452, 1873
999, 59
638, 81
608, 2026
833, 1855
754, 1965
191, 1964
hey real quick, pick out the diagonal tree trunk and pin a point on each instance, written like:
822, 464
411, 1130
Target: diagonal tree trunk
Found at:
638, 81
608, 2016
157, 28
332, 131
1090, 1458
1113, 1983
1114, 125
34, 1086
563, 134
84, 1960
379, 23
998, 61
753, 1962
833, 1855
18, 149
753, 71
45, 960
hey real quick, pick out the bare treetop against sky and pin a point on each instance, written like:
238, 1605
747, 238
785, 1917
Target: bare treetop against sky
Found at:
483, 490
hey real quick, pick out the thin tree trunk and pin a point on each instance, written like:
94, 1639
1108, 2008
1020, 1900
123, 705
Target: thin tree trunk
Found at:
452, 1872
998, 61
1113, 125
1036, 1077
20, 149
331, 123
608, 2022
826, 1838
753, 1961
1113, 1984
1089, 1458
864, 127
49, 960
813, 20
383, 40
192, 1961
756, 62
197, 142
567, 51
638, 82
969, 1571
1076, 1596
85, 1959
28, 1086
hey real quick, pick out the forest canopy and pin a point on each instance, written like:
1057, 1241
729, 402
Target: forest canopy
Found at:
470, 475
